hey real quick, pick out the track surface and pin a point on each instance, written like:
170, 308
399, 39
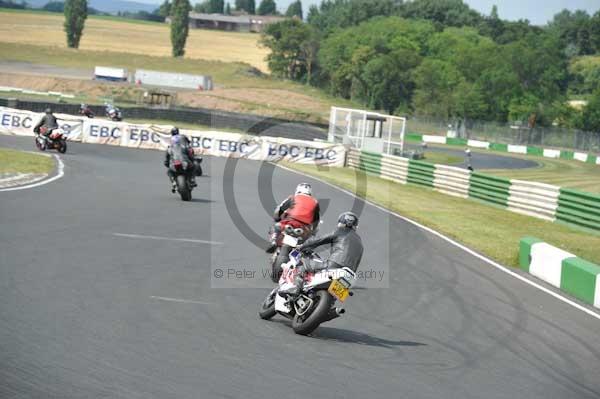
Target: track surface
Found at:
481, 160
80, 317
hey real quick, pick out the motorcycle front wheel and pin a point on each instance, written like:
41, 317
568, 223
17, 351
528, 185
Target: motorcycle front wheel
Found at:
267, 308
310, 320
62, 147
40, 144
183, 188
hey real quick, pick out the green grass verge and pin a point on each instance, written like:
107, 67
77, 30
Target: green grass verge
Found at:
489, 230
442, 158
559, 172
13, 161
225, 74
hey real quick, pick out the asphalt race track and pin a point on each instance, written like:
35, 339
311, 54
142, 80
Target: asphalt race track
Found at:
105, 292
482, 160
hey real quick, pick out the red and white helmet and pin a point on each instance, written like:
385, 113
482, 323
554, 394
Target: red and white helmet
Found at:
304, 188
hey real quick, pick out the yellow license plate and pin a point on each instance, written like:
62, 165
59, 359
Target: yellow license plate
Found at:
338, 290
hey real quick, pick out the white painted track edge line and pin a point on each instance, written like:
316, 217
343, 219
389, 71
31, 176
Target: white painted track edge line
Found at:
498, 266
148, 237
60, 173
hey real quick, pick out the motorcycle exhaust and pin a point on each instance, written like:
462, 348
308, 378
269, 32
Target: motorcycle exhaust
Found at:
335, 313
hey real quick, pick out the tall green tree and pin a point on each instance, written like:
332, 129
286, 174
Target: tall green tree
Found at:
442, 13
248, 6
267, 7
76, 12
590, 116
294, 47
165, 9
211, 7
295, 10
180, 10
228, 9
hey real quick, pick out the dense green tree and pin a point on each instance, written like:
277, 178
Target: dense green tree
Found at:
293, 46
295, 10
590, 115
442, 13
585, 75
575, 31
180, 10
267, 7
210, 7
351, 60
248, 6
75, 16
164, 10
333, 14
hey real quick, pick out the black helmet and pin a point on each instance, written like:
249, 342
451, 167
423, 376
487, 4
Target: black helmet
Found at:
48, 110
348, 219
174, 131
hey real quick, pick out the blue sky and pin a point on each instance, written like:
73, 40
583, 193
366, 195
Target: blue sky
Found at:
537, 11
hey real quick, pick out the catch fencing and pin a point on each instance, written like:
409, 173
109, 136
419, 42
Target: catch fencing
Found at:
553, 137
543, 201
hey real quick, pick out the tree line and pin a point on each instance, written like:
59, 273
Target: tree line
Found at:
443, 59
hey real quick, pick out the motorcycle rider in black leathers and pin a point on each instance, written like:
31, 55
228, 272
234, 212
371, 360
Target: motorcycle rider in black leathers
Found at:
49, 121
346, 251
180, 149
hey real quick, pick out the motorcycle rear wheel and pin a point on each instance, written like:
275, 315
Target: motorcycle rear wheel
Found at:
183, 188
307, 323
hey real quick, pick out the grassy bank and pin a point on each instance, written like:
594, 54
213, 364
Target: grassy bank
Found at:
564, 173
12, 161
491, 231
442, 158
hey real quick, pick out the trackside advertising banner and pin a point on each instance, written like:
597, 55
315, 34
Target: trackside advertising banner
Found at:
220, 144
21, 123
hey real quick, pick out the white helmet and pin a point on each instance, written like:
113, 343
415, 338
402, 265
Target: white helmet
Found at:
304, 188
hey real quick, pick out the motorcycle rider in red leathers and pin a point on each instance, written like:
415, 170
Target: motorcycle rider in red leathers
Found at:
301, 208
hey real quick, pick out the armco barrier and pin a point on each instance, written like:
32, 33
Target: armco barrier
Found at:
561, 269
500, 147
543, 201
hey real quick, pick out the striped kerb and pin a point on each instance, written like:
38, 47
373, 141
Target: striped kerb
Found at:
591, 158
499, 147
525, 251
495, 190
421, 173
579, 208
370, 162
579, 279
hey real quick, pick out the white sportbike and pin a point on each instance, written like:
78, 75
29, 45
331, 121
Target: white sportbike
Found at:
316, 303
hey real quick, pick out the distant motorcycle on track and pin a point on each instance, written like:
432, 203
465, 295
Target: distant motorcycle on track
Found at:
113, 113
85, 110
55, 139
